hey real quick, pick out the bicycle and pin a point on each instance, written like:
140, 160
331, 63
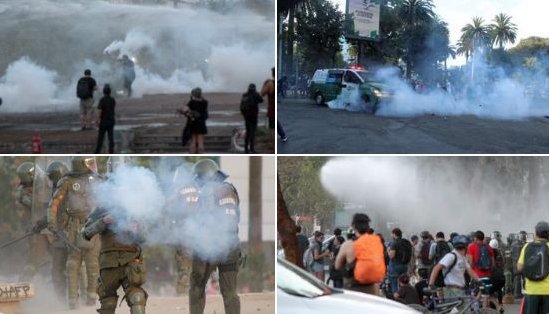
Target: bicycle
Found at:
475, 301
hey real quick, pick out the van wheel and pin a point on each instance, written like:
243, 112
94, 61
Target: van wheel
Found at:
319, 100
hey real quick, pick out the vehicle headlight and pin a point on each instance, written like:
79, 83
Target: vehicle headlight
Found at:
378, 93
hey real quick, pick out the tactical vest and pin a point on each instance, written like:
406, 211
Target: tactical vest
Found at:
115, 253
190, 196
78, 202
24, 196
226, 200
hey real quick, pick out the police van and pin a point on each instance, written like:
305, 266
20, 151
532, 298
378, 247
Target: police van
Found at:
327, 84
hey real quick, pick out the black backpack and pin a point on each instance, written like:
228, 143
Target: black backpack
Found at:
403, 252
442, 248
83, 89
484, 260
247, 104
536, 261
424, 253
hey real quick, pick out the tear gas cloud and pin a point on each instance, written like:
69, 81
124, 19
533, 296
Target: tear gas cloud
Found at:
137, 194
439, 193
51, 42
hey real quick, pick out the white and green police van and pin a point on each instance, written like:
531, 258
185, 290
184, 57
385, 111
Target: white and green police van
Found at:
329, 84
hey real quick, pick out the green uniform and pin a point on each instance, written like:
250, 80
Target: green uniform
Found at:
121, 265
72, 192
188, 197
224, 199
39, 246
516, 248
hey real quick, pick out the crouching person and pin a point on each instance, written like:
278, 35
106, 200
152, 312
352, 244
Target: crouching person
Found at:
120, 260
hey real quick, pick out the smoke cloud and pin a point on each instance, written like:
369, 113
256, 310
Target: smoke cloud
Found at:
175, 49
138, 195
440, 194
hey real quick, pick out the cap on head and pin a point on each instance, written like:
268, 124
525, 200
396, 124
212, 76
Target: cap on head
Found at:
56, 170
87, 72
25, 172
460, 242
205, 170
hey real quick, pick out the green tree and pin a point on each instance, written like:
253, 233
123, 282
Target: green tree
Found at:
476, 34
503, 30
319, 33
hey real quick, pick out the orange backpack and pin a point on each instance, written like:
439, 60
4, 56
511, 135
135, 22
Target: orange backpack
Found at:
370, 262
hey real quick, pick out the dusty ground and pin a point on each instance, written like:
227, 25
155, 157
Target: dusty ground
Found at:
320, 130
152, 114
250, 303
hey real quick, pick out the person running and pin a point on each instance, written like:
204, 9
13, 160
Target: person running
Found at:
105, 120
197, 112
532, 263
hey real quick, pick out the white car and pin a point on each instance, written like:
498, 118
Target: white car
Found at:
300, 293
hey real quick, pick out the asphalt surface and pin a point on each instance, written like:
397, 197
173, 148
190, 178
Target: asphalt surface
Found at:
313, 129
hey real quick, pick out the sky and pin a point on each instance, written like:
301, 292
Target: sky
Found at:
530, 16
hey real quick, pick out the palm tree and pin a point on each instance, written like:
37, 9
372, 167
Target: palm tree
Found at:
464, 48
414, 14
503, 30
478, 35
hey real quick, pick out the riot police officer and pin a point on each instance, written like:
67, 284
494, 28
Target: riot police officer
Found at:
55, 171
74, 188
516, 247
181, 205
121, 261
23, 194
221, 198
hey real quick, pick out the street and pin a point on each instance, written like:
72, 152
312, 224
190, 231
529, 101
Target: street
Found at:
319, 130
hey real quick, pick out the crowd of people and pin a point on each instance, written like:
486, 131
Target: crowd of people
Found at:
413, 270
195, 110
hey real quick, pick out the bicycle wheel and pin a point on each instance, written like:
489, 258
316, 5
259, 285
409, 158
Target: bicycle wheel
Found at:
419, 308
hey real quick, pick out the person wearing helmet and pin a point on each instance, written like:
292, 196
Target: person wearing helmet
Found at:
179, 207
72, 196
23, 194
516, 248
220, 199
498, 278
533, 263
453, 267
55, 171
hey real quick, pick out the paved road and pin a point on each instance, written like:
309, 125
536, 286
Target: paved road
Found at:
319, 130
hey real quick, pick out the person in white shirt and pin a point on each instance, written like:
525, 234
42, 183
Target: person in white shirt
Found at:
453, 267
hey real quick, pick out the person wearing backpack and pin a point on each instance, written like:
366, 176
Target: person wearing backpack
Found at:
533, 263
84, 91
249, 109
452, 267
498, 277
302, 243
422, 252
481, 256
362, 259
437, 251
400, 254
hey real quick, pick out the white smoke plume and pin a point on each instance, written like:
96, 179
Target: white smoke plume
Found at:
437, 194
175, 49
136, 194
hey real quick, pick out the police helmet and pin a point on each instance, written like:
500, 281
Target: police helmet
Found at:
522, 236
25, 171
496, 235
56, 170
494, 244
542, 229
82, 164
205, 170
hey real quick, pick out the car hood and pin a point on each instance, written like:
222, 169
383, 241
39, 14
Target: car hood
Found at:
339, 303
378, 85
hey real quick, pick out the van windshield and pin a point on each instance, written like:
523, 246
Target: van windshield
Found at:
366, 77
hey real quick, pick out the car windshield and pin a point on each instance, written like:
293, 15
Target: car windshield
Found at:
295, 281
366, 77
